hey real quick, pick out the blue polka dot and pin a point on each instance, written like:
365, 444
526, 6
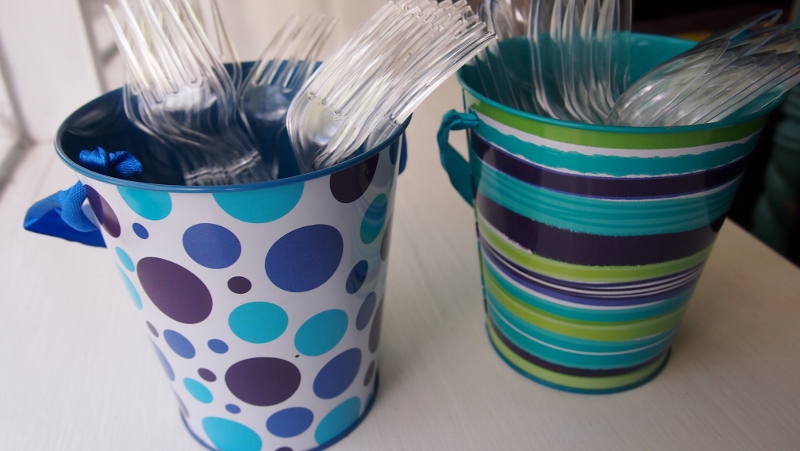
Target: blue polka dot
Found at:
365, 312
218, 346
137, 300
337, 375
232, 408
211, 245
357, 276
258, 322
321, 333
373, 221
125, 259
140, 231
180, 344
305, 258
164, 363
231, 436
290, 422
152, 205
198, 390
261, 206
338, 421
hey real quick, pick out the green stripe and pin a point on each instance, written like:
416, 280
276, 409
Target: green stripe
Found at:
575, 382
618, 166
607, 217
498, 283
582, 273
633, 138
590, 330
567, 357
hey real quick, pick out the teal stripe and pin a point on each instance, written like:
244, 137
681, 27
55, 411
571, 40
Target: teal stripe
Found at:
608, 217
602, 315
573, 343
573, 360
616, 165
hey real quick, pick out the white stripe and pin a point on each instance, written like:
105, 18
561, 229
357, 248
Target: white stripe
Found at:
622, 294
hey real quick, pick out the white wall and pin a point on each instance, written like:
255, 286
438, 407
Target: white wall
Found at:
49, 62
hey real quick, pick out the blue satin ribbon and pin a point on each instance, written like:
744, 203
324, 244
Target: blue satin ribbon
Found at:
61, 214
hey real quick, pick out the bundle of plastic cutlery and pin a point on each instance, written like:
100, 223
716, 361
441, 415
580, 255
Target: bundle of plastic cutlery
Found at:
580, 58
181, 91
376, 79
736, 72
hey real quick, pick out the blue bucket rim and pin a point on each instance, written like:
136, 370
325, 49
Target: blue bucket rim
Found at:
620, 128
62, 129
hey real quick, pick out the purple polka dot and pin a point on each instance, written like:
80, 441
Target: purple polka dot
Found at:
394, 149
233, 408
152, 329
370, 373
177, 292
207, 375
263, 381
375, 331
179, 344
102, 210
284, 448
290, 422
164, 363
218, 346
337, 375
365, 312
357, 277
351, 183
140, 231
305, 258
239, 285
211, 245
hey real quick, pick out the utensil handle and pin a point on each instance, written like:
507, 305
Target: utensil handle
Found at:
457, 168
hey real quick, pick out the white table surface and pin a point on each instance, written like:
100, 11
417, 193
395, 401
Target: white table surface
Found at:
77, 372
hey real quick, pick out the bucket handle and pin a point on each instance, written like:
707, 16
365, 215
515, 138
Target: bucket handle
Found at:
457, 168
61, 214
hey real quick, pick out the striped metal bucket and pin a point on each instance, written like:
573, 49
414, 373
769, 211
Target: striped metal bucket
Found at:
592, 238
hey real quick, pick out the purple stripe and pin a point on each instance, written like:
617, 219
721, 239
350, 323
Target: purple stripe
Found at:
570, 371
598, 300
604, 187
596, 286
595, 250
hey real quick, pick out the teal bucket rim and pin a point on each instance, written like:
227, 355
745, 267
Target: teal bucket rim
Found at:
620, 129
300, 178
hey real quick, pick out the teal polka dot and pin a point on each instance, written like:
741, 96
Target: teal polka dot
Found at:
126, 260
152, 205
137, 300
373, 221
261, 206
231, 436
258, 322
321, 333
198, 390
338, 420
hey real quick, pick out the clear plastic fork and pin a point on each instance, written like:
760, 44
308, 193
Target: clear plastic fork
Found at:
181, 93
286, 63
376, 79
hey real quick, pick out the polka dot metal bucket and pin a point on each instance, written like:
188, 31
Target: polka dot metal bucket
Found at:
591, 238
263, 302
